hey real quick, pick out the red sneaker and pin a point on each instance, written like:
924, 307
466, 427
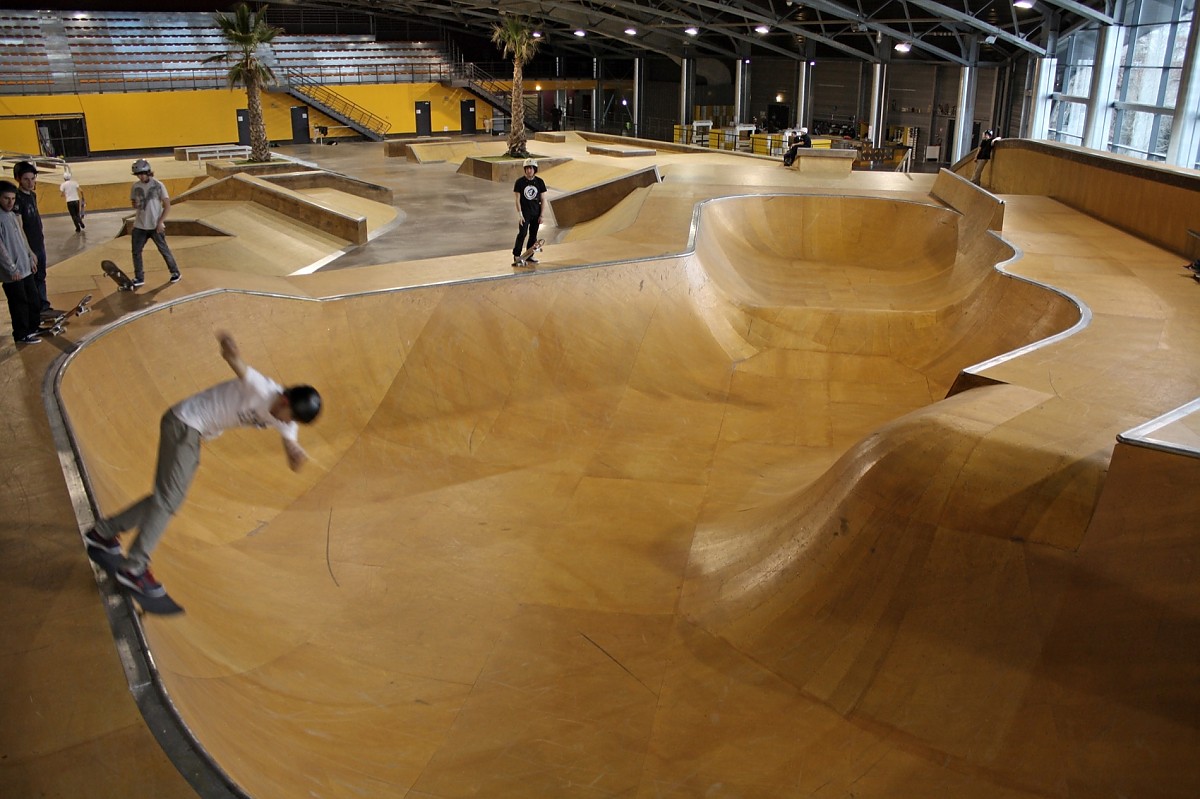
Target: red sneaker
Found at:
143, 583
96, 541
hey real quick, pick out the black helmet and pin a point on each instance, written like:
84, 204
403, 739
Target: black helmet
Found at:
23, 168
142, 165
304, 401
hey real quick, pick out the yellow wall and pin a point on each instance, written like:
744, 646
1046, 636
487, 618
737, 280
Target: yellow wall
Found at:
396, 102
18, 136
155, 120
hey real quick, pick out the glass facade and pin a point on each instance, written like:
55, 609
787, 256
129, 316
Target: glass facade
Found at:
1147, 74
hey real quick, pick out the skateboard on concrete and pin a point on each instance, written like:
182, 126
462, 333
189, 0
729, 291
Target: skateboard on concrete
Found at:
120, 278
157, 605
523, 258
54, 327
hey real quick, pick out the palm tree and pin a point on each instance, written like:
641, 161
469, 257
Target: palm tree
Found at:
244, 32
516, 38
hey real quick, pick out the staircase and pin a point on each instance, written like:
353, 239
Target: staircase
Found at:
485, 87
331, 103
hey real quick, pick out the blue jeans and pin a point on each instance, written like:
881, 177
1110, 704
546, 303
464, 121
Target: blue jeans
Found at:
139, 237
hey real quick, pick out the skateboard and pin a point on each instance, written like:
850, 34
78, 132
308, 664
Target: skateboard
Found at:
157, 605
523, 258
54, 327
120, 278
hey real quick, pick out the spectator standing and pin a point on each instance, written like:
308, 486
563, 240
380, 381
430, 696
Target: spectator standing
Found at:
17, 264
984, 154
31, 222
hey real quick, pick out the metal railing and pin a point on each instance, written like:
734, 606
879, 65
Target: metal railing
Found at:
321, 94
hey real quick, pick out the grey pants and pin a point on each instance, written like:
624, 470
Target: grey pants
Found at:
139, 238
178, 457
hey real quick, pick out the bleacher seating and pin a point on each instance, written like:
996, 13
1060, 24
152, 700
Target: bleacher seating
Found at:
22, 49
168, 50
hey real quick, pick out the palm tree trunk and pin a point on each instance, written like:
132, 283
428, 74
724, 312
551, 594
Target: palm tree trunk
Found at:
260, 145
516, 136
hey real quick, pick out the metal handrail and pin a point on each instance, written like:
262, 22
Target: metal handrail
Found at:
320, 93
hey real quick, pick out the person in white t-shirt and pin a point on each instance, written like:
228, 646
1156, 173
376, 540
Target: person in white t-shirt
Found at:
250, 400
72, 192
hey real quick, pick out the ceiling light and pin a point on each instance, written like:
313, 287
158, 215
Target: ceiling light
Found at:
691, 31
762, 29
631, 31
581, 33
989, 39
1023, 4
537, 34
903, 47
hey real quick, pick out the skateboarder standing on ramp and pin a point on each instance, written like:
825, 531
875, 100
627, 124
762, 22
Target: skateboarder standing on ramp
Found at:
149, 196
250, 400
530, 192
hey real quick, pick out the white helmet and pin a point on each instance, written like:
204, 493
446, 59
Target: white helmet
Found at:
142, 165
530, 162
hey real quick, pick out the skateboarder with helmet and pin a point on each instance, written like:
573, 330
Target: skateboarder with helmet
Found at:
150, 199
250, 400
530, 193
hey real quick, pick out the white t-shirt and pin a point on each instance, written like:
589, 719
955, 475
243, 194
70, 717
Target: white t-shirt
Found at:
70, 190
147, 198
235, 403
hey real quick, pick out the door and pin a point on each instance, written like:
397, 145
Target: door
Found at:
243, 122
300, 133
466, 112
424, 125
64, 137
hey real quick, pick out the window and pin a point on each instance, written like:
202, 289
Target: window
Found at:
1148, 74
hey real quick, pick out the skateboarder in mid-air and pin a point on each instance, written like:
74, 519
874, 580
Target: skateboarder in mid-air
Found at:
250, 400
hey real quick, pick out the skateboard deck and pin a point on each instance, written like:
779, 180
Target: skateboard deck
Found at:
523, 258
55, 327
158, 605
120, 278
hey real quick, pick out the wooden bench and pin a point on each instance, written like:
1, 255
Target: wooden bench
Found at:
212, 151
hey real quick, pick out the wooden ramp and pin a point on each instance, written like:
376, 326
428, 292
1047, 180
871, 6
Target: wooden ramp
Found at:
693, 526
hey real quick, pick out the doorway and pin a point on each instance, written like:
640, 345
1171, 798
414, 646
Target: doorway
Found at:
466, 113
63, 137
424, 124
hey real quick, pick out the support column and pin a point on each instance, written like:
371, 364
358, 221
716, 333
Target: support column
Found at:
1098, 121
967, 78
739, 79
687, 69
636, 110
875, 133
1185, 124
1041, 98
803, 75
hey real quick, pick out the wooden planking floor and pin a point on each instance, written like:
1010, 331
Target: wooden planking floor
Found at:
532, 655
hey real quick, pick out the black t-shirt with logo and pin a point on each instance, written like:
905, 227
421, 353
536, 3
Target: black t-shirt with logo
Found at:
531, 191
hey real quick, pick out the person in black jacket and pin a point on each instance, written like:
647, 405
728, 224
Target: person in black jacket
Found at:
31, 221
984, 154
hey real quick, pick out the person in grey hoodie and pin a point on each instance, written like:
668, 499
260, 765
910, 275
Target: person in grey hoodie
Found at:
18, 263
